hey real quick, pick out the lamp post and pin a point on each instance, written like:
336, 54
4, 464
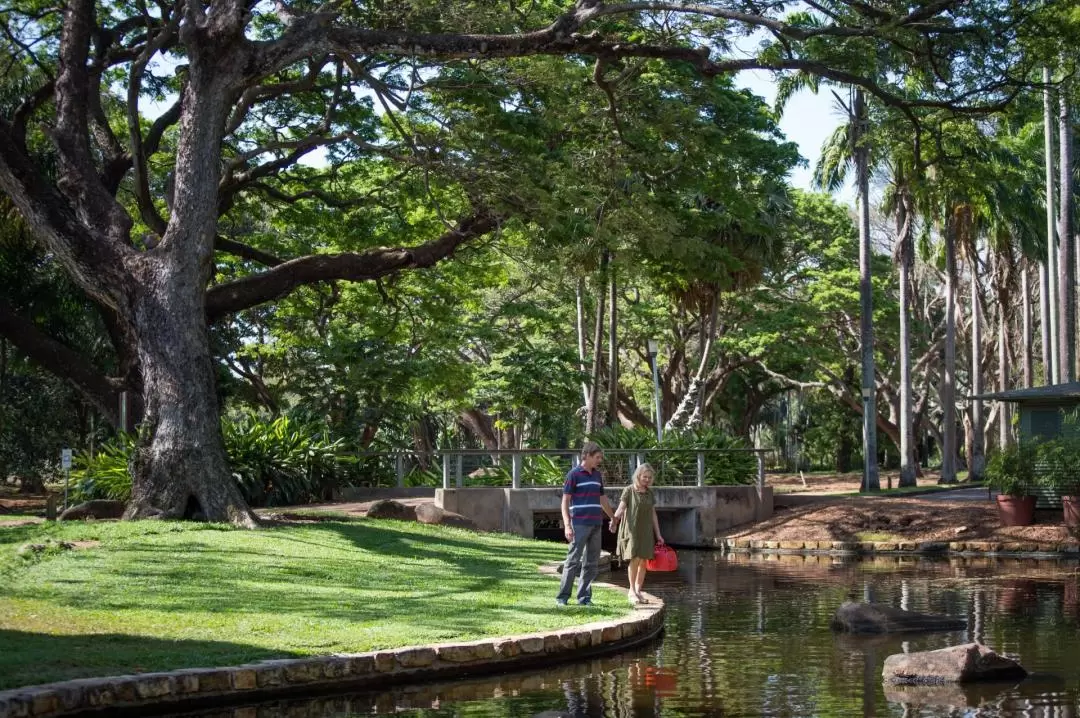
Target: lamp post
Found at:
653, 350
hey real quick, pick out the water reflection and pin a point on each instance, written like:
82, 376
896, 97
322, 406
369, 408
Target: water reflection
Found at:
748, 636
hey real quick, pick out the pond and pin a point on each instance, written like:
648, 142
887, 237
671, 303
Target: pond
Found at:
749, 636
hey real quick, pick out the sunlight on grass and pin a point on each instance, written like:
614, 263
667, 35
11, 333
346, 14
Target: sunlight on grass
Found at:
159, 595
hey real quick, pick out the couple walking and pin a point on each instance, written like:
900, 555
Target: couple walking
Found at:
583, 507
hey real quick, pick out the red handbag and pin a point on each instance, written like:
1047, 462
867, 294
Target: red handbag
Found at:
664, 559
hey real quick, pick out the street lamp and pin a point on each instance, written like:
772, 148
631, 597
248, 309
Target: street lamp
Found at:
654, 348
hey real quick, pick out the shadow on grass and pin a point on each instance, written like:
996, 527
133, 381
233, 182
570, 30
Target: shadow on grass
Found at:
34, 658
349, 580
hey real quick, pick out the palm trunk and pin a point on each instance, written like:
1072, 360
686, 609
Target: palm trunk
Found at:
871, 481
613, 351
579, 292
948, 388
1050, 286
1028, 355
1066, 268
1004, 434
976, 458
904, 218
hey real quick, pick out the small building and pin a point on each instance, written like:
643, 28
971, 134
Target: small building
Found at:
1042, 416
1042, 408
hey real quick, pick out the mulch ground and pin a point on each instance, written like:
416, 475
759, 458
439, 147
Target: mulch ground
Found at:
900, 519
871, 518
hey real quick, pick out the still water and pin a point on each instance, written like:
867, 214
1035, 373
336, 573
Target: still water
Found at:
749, 636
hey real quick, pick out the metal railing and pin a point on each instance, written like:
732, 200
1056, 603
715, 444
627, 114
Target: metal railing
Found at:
672, 467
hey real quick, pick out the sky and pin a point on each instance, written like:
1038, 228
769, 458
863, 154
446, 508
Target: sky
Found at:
809, 119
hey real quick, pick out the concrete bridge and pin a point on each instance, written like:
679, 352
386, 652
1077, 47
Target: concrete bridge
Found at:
688, 515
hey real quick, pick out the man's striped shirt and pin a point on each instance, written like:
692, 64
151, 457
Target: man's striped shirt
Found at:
585, 489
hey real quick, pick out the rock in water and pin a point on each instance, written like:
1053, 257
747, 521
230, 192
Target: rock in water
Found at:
969, 663
854, 617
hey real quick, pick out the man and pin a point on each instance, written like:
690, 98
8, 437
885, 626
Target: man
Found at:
583, 509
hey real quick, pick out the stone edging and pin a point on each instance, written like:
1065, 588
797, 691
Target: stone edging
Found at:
192, 688
935, 548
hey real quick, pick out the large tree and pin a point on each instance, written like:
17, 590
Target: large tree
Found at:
135, 204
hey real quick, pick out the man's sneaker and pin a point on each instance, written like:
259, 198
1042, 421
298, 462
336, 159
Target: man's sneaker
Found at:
560, 601
586, 602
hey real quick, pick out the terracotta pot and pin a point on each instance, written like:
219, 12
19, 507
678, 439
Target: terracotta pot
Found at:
1070, 507
1016, 510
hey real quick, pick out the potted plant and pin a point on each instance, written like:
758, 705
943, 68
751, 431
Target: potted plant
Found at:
1011, 472
1061, 475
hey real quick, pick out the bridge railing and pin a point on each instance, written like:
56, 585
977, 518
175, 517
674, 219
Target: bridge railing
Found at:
523, 468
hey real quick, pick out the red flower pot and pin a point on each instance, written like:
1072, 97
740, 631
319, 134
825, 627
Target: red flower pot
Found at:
1016, 510
1070, 507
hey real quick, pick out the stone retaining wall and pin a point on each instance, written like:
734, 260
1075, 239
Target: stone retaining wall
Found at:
210, 687
963, 548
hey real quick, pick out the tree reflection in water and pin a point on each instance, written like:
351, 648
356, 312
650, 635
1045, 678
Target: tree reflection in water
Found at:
748, 636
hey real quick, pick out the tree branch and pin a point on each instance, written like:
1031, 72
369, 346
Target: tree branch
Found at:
284, 278
61, 360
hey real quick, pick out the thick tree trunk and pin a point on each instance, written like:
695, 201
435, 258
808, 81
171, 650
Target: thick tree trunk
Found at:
180, 468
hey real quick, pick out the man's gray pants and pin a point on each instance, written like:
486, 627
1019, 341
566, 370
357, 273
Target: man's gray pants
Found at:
584, 549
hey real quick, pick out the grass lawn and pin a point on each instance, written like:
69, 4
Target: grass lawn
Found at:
146, 596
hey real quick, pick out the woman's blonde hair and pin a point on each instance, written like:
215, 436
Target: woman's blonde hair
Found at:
640, 471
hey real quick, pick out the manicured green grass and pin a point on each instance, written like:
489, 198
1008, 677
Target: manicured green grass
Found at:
162, 595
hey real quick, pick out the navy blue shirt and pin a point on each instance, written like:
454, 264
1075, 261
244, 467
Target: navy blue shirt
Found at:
585, 489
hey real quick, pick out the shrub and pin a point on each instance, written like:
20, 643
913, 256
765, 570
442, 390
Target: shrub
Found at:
675, 459
1011, 471
106, 474
274, 463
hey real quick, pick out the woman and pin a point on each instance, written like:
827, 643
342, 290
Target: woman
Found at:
638, 527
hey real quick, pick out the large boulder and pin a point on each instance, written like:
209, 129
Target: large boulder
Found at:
95, 509
390, 509
968, 663
854, 617
429, 513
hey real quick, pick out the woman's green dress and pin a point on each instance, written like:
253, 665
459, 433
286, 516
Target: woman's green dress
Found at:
636, 539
